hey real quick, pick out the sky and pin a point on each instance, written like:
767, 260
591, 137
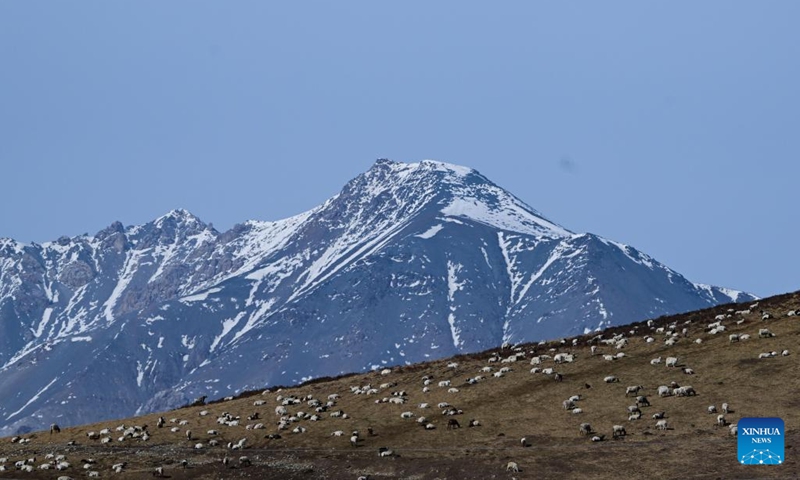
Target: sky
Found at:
669, 126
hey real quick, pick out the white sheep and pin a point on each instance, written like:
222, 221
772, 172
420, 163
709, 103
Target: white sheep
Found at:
655, 361
725, 408
610, 379
609, 358
512, 467
634, 389
663, 391
672, 361
618, 431
661, 425
712, 409
765, 333
577, 410
721, 420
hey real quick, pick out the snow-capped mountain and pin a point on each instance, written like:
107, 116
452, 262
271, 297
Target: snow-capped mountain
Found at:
408, 262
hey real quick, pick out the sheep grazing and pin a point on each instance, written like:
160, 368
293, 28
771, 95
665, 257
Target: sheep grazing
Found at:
611, 379
765, 333
618, 431
453, 424
598, 438
512, 467
642, 401
733, 337
385, 452
634, 389
672, 361
712, 409
725, 408
585, 429
785, 353
54, 428
661, 425
721, 420
655, 361
523, 441
474, 423
354, 440
659, 415
687, 371
158, 472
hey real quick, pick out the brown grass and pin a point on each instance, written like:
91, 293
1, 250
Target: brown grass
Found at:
519, 405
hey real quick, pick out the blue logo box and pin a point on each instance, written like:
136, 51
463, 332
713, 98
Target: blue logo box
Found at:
760, 441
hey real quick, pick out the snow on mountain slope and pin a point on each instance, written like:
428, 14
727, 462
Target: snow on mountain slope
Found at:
408, 262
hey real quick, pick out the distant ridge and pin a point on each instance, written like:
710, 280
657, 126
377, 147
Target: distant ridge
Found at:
410, 261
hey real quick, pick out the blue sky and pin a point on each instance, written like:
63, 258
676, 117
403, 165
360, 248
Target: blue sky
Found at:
672, 127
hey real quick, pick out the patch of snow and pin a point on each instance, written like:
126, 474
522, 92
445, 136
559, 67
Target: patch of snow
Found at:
128, 271
33, 399
431, 232
200, 296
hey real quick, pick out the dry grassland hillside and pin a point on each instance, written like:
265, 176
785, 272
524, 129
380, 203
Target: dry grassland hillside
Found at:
520, 404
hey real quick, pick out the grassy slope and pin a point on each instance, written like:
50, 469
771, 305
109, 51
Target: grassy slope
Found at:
518, 405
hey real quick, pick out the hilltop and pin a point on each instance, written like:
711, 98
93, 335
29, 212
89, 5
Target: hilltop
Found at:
516, 405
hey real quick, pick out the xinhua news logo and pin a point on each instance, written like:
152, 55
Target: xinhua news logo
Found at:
761, 441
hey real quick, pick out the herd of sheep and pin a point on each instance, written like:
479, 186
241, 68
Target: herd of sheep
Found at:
277, 413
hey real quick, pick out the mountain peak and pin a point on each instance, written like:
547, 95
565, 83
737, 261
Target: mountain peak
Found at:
179, 214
